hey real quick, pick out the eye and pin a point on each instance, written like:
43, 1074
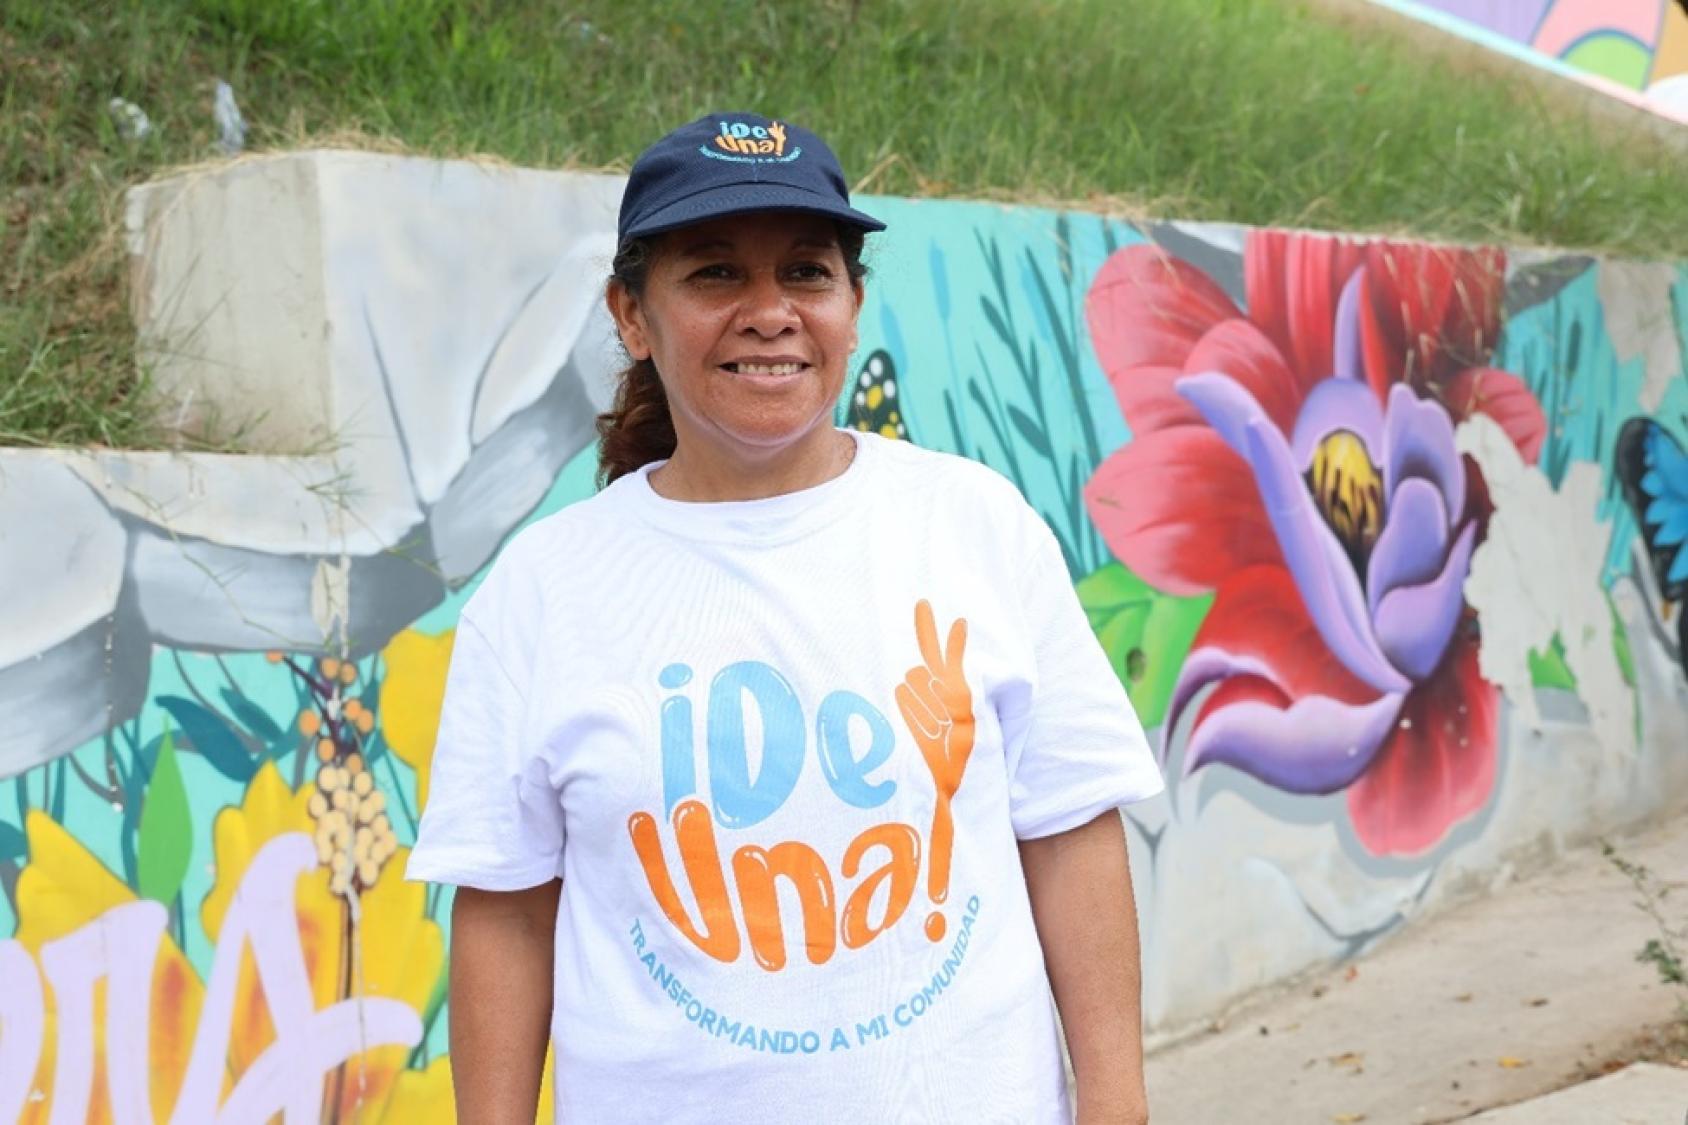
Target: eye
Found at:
810, 272
715, 271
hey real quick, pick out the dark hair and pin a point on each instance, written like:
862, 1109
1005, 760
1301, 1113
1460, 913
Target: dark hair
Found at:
638, 429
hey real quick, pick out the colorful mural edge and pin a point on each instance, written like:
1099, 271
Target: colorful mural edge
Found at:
1384, 540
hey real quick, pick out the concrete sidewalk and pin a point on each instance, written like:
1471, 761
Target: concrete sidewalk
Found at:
1489, 1003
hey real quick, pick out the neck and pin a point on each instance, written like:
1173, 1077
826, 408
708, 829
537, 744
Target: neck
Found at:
699, 476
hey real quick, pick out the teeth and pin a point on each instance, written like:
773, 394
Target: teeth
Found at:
768, 368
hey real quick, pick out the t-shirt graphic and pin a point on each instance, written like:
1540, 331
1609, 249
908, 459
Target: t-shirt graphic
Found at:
786, 810
936, 705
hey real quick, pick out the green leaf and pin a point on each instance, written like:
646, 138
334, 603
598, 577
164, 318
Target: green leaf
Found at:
1548, 667
1166, 640
13, 845
1620, 643
166, 836
1029, 431
1111, 587
1145, 633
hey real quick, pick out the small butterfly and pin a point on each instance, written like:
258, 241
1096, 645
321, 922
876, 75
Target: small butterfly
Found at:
1653, 470
874, 406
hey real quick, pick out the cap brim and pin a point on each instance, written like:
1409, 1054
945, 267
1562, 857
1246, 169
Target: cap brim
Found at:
742, 199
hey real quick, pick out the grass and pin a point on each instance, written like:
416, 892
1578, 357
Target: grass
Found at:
1254, 111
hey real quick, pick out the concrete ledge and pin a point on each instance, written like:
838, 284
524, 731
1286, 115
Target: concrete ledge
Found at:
1642, 1094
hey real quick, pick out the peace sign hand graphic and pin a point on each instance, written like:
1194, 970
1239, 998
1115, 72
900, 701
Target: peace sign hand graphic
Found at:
937, 706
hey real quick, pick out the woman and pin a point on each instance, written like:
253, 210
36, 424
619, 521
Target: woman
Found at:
779, 778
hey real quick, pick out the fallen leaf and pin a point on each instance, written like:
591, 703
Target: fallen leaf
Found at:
1353, 971
1348, 1118
1463, 998
1539, 1002
1512, 1063
1354, 1059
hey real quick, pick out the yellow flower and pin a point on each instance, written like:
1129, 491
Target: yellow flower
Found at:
399, 954
426, 1096
59, 891
411, 697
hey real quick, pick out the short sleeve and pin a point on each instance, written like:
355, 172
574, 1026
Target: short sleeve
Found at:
493, 820
1073, 743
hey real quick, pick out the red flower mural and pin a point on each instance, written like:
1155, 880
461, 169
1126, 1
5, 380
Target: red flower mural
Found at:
1299, 460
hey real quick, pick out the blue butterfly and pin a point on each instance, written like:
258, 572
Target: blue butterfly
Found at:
1653, 470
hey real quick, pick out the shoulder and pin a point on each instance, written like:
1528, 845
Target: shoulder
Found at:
531, 560
917, 471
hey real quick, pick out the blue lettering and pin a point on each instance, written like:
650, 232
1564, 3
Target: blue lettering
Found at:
739, 802
740, 129
898, 1015
845, 773
679, 775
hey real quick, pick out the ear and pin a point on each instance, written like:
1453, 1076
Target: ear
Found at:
629, 320
855, 321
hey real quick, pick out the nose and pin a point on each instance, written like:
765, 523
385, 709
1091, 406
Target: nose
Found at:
767, 309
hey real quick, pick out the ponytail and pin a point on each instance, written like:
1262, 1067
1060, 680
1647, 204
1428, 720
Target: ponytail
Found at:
637, 429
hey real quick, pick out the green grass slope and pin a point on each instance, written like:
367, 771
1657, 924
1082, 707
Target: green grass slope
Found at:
1255, 111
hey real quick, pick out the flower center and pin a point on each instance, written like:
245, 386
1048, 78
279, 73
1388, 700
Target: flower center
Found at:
1349, 491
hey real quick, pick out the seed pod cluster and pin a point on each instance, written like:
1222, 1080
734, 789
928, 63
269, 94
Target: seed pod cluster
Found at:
354, 838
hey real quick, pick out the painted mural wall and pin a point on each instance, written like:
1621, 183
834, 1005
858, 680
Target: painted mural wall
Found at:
1635, 50
1384, 540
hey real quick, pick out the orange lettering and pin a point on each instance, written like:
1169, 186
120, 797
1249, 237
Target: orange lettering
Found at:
777, 131
755, 869
695, 832
902, 868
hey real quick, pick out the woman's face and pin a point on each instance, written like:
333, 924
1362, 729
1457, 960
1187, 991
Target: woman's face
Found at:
750, 320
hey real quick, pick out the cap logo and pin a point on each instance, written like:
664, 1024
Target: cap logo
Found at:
742, 142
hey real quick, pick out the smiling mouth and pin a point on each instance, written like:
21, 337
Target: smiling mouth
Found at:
765, 368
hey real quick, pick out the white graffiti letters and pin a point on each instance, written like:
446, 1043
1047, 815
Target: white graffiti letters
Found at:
22, 1016
121, 947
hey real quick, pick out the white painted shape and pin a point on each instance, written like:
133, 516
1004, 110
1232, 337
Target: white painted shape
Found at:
425, 263
62, 554
1252, 924
331, 596
599, 357
1538, 573
119, 947
1221, 236
546, 329
273, 505
1635, 297
23, 1019
287, 1077
1671, 96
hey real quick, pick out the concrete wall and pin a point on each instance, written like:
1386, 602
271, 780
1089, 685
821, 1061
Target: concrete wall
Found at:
1363, 526
1632, 50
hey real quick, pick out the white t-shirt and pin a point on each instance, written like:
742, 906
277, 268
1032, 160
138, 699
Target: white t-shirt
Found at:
784, 799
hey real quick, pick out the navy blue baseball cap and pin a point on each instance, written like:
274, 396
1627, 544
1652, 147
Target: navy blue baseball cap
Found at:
731, 163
